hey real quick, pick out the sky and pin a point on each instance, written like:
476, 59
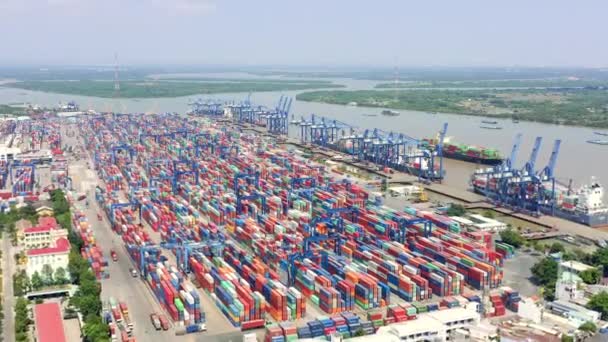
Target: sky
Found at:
305, 32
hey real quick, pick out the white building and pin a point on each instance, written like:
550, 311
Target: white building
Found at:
575, 267
576, 314
530, 309
56, 255
433, 326
487, 224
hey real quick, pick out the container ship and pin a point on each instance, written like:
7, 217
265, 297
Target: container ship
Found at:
468, 153
584, 206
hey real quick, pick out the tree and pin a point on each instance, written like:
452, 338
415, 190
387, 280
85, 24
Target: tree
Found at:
60, 276
94, 329
47, 274
64, 220
588, 327
557, 247
512, 237
37, 281
566, 338
76, 266
456, 210
591, 276
545, 272
599, 303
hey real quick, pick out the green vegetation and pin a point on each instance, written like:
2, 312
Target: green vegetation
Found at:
512, 237
588, 327
7, 109
489, 214
86, 299
532, 83
599, 303
557, 247
21, 284
588, 107
590, 276
456, 210
147, 88
545, 273
22, 320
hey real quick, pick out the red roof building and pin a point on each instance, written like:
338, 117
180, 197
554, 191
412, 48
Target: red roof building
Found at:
47, 221
49, 324
62, 245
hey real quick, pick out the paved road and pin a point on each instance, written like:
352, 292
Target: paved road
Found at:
8, 298
121, 285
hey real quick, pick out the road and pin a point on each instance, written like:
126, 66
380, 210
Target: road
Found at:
120, 285
7, 294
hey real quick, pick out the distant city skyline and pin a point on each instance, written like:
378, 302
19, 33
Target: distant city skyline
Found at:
381, 33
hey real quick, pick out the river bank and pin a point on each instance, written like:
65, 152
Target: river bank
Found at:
578, 107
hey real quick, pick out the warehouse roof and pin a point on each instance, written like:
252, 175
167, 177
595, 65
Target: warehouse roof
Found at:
423, 324
576, 266
455, 314
49, 324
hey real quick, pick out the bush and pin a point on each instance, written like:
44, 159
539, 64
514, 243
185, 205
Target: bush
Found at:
512, 237
599, 303
588, 327
456, 210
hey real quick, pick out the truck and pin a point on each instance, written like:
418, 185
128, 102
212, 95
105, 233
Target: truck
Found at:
164, 323
155, 321
116, 314
114, 255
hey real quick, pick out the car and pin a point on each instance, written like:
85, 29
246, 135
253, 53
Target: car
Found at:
155, 321
133, 272
114, 255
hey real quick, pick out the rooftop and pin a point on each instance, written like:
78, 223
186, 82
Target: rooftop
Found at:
576, 266
455, 314
37, 229
47, 221
49, 324
424, 323
62, 245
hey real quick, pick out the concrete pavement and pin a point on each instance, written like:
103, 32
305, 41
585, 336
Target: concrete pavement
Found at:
8, 303
120, 285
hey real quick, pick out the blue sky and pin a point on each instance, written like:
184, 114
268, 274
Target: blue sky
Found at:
310, 32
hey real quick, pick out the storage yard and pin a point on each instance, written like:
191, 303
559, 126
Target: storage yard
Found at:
235, 231
213, 230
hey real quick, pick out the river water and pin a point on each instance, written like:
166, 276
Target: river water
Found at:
577, 159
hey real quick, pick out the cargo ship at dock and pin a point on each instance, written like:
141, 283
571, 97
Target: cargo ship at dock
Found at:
584, 206
468, 153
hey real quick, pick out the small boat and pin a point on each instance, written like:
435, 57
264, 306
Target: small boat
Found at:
370, 114
490, 127
601, 133
489, 122
389, 112
598, 141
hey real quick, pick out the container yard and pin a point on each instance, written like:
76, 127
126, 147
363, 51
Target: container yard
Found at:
221, 223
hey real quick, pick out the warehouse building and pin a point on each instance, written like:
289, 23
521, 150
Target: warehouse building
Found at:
487, 224
437, 325
575, 313
48, 323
